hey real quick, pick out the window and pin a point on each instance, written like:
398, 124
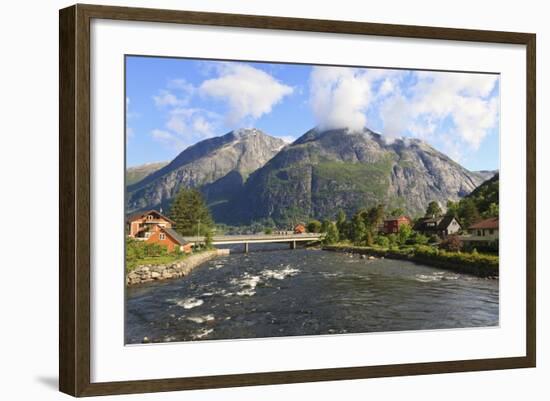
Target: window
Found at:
149, 217
147, 234
162, 236
491, 231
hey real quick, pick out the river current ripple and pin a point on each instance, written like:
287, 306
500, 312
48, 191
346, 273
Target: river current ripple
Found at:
306, 292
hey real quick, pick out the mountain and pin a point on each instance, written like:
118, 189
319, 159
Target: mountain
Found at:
221, 165
485, 174
486, 196
324, 171
137, 173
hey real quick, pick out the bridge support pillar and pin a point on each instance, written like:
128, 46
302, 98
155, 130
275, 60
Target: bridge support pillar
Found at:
293, 245
246, 247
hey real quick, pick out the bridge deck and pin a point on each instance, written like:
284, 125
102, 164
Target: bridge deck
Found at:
258, 238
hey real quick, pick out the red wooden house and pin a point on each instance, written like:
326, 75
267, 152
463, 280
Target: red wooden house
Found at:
393, 224
153, 227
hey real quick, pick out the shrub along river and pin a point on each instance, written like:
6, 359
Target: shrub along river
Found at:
306, 292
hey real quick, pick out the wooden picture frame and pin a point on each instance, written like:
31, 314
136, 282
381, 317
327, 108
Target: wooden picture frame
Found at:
74, 199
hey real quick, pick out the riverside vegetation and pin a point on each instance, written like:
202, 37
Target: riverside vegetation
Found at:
360, 235
191, 217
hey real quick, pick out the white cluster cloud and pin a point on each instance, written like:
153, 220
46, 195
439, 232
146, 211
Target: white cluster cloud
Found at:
249, 92
455, 109
455, 105
166, 98
186, 126
166, 138
194, 122
339, 97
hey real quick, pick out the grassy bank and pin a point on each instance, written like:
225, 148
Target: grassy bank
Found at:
481, 265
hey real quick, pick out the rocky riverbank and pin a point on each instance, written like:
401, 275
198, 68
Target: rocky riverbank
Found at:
148, 273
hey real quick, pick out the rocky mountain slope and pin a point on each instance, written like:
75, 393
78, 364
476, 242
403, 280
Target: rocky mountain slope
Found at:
485, 174
137, 173
322, 172
220, 165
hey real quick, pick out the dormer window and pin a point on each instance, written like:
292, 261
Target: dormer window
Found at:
149, 217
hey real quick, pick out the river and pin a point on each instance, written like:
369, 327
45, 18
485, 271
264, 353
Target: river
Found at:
306, 292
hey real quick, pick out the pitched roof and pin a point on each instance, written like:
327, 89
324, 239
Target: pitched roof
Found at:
440, 223
172, 233
137, 215
445, 221
423, 221
490, 223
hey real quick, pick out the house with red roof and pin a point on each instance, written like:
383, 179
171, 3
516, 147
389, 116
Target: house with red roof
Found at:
483, 233
487, 229
153, 227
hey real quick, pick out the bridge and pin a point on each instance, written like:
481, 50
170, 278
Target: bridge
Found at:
290, 238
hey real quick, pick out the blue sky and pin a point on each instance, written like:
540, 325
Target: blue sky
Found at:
173, 103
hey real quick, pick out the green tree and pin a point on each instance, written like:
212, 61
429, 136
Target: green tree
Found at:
332, 234
452, 208
492, 211
358, 229
268, 230
468, 212
369, 238
405, 231
208, 239
190, 213
342, 225
374, 217
314, 226
433, 209
398, 211
325, 226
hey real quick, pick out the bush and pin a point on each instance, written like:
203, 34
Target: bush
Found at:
137, 250
382, 241
452, 243
314, 226
480, 264
425, 250
417, 239
268, 230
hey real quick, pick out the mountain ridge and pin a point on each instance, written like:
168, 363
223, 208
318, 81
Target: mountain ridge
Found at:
243, 151
247, 175
323, 171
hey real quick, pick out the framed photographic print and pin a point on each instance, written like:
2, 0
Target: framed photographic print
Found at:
251, 200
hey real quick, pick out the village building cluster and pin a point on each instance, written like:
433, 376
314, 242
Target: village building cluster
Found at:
153, 227
483, 233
